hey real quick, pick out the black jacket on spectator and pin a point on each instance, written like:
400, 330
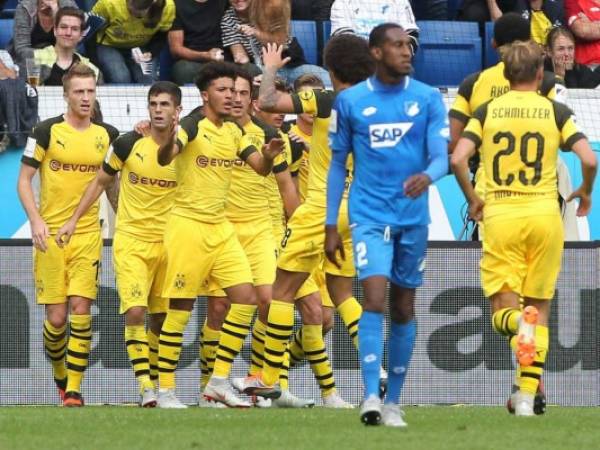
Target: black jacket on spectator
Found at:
18, 110
580, 77
311, 9
477, 10
200, 22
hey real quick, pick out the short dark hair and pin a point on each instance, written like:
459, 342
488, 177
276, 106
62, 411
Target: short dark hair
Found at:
242, 73
71, 12
378, 34
348, 57
511, 27
308, 79
166, 87
214, 70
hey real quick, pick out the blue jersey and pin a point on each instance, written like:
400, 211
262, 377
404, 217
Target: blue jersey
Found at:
393, 132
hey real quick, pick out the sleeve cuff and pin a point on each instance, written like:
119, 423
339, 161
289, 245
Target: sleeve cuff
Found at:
30, 162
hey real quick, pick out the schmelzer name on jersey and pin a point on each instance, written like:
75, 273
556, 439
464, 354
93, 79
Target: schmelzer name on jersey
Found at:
384, 135
520, 113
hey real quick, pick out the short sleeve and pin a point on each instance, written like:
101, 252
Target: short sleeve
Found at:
437, 126
37, 144
474, 128
315, 102
565, 121
119, 151
188, 130
340, 125
461, 108
249, 143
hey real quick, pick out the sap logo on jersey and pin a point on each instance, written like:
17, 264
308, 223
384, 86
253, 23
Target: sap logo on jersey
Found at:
388, 134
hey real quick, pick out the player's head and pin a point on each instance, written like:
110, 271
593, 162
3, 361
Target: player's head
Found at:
273, 119
307, 82
348, 60
509, 28
216, 82
164, 103
242, 95
392, 49
79, 85
524, 63
68, 27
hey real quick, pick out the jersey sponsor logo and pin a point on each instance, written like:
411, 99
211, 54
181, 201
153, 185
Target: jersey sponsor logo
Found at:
134, 178
385, 135
30, 148
67, 167
411, 109
204, 162
369, 111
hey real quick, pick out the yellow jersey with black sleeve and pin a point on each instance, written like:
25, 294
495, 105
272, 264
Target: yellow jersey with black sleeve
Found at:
204, 166
518, 135
302, 172
126, 31
68, 160
247, 199
147, 189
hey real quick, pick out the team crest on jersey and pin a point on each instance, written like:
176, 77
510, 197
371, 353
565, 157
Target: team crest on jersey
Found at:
99, 144
136, 291
384, 135
307, 95
411, 109
39, 287
179, 281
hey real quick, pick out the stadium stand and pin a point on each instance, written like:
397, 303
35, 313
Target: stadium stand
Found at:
490, 55
306, 33
6, 31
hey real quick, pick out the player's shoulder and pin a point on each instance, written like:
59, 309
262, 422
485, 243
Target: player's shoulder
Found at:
191, 122
45, 126
465, 88
548, 83
418, 87
113, 132
269, 131
123, 145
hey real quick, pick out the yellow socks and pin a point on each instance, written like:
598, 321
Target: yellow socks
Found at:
136, 342
55, 346
258, 347
284, 382
153, 357
233, 333
279, 329
169, 346
295, 348
78, 350
350, 312
531, 375
506, 321
208, 351
314, 348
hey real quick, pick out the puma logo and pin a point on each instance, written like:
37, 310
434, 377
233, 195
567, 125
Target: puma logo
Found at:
140, 156
60, 143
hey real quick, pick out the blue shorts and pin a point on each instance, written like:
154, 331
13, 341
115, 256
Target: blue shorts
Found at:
397, 253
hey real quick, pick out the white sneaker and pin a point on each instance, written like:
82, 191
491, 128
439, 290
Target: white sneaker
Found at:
335, 401
168, 399
204, 402
392, 416
261, 402
524, 404
370, 411
254, 385
219, 390
148, 398
289, 400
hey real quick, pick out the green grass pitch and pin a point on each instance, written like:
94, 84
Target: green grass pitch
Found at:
437, 427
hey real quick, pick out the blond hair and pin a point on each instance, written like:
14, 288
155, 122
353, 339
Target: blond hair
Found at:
522, 60
79, 70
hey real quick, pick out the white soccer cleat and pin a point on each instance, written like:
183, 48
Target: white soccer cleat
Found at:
239, 384
148, 398
168, 400
336, 402
203, 402
392, 416
370, 411
526, 336
260, 402
524, 405
253, 385
289, 400
219, 390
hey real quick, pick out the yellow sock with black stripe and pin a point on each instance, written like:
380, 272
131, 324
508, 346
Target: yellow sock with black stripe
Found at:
233, 333
284, 382
169, 346
295, 348
208, 352
531, 375
136, 342
350, 312
506, 321
258, 347
314, 348
55, 346
279, 329
78, 350
153, 357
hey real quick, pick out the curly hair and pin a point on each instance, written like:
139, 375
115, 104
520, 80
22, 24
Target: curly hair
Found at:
348, 57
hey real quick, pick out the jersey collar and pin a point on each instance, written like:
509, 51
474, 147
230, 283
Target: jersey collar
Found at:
375, 85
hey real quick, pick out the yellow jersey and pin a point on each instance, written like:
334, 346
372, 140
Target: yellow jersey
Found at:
68, 160
302, 164
518, 135
147, 189
204, 166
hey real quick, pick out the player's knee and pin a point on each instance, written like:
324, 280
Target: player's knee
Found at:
217, 311
57, 319
155, 322
80, 307
327, 320
135, 315
402, 312
311, 310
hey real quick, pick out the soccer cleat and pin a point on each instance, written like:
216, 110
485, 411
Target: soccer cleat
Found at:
392, 416
61, 385
289, 400
524, 405
526, 336
253, 385
168, 400
260, 402
148, 398
204, 402
383, 380
539, 401
334, 401
220, 391
370, 411
73, 399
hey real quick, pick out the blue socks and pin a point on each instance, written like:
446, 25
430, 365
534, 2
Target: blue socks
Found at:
370, 350
401, 343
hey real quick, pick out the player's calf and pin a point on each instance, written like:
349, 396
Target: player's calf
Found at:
526, 336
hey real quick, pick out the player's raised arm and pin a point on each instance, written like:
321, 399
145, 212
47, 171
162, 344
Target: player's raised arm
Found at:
263, 164
172, 147
269, 98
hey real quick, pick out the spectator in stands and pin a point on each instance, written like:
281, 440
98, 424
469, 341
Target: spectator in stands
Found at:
311, 9
583, 17
561, 60
34, 21
245, 42
430, 9
485, 10
542, 15
56, 60
129, 47
360, 16
195, 37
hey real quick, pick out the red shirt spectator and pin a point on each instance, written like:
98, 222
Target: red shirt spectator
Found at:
583, 17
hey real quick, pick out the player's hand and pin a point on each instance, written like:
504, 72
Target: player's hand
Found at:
142, 127
273, 148
298, 139
333, 244
585, 201
39, 233
416, 185
476, 209
64, 233
272, 56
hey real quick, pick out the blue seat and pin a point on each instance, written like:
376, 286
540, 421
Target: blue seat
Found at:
165, 64
11, 4
447, 31
306, 33
490, 55
6, 32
